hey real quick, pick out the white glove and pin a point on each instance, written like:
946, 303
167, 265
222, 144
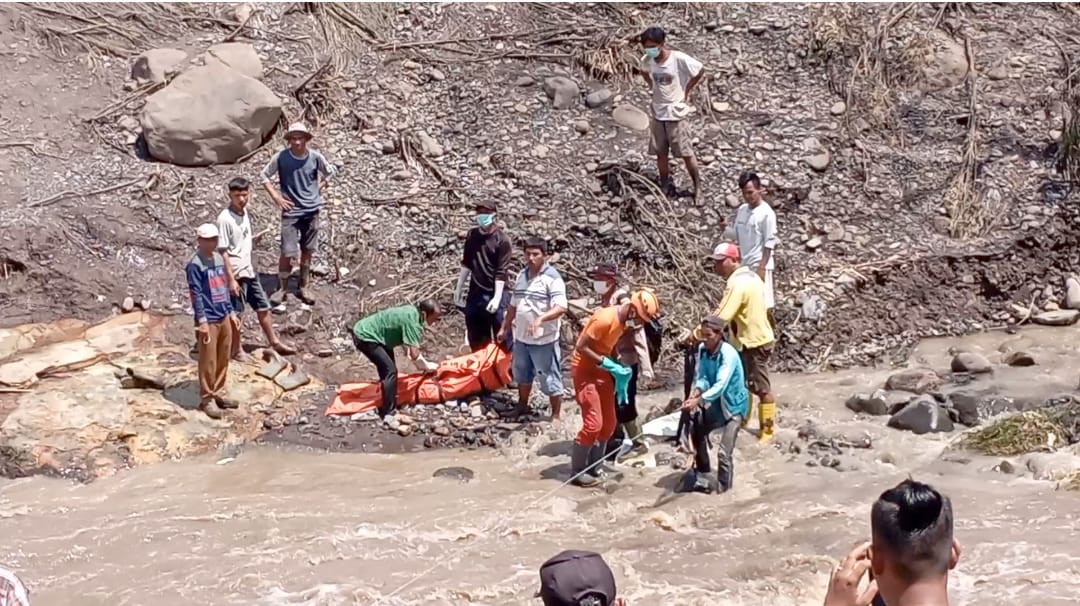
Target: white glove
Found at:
423, 365
431, 365
496, 299
459, 290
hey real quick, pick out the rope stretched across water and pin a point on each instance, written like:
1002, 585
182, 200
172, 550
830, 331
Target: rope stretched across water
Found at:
439, 562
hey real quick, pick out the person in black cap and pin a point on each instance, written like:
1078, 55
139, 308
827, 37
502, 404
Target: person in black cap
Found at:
484, 268
578, 578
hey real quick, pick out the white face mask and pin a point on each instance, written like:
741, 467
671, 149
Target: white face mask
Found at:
633, 324
600, 286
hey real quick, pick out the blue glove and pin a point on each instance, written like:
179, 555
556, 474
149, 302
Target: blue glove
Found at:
622, 376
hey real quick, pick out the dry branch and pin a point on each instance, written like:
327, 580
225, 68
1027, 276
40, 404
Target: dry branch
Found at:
76, 194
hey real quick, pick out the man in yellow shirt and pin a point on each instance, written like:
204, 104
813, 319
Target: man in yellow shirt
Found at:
743, 306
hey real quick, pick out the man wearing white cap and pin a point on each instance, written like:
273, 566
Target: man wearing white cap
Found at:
302, 174
215, 320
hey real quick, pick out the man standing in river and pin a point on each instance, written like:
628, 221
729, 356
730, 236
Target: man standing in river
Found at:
302, 175
673, 75
744, 306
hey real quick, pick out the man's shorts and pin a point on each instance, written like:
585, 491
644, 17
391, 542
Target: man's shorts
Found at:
252, 294
756, 364
300, 234
670, 137
538, 361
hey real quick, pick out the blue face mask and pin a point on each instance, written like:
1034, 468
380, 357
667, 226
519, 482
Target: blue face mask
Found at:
485, 220
652, 51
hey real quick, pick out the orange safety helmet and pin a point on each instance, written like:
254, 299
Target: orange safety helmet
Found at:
646, 304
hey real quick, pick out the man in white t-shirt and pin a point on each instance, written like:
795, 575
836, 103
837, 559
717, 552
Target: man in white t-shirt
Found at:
537, 304
235, 242
673, 75
755, 233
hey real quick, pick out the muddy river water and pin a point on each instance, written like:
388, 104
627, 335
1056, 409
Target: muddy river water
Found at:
278, 526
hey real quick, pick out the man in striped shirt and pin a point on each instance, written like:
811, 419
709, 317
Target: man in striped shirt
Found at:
538, 301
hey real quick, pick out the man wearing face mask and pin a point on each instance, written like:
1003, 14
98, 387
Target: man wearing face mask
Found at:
484, 268
597, 376
632, 350
673, 75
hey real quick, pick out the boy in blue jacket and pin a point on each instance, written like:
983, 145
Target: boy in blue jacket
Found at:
215, 320
719, 399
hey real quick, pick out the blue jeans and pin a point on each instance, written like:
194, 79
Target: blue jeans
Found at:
533, 361
481, 326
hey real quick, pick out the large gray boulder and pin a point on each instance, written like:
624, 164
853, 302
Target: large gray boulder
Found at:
915, 380
240, 56
209, 115
924, 415
631, 117
156, 65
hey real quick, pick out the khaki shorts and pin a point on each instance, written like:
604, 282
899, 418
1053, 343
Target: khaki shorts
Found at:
756, 365
670, 137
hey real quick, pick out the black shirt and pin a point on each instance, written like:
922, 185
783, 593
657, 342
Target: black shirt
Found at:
487, 257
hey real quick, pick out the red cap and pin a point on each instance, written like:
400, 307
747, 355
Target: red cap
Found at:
725, 250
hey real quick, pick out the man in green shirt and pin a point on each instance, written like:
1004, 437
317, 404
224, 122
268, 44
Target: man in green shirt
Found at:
377, 335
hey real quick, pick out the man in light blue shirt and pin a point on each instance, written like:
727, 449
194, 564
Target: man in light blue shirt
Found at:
719, 399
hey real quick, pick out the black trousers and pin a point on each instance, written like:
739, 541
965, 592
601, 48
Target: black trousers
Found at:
383, 359
699, 428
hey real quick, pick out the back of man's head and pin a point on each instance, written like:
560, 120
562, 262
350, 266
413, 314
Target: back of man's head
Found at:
912, 526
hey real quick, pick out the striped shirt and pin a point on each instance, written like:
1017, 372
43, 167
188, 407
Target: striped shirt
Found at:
534, 296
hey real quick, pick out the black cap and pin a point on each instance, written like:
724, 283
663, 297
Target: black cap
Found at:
606, 270
572, 576
488, 205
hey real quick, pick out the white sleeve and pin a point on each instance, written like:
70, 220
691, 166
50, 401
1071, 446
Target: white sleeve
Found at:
768, 231
271, 168
689, 65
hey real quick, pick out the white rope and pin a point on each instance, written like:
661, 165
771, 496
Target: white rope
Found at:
439, 562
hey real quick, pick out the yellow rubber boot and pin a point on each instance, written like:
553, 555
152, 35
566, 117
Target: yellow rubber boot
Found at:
767, 421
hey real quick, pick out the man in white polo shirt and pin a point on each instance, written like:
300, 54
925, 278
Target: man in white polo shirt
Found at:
755, 233
537, 303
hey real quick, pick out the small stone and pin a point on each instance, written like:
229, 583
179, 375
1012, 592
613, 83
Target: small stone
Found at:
476, 412
914, 380
405, 430
402, 175
348, 85
563, 92
598, 97
324, 353
970, 362
631, 117
1005, 467
1072, 293
524, 81
540, 151
813, 243
998, 72
461, 474
144, 304
966, 406
721, 106
129, 123
127, 305
1064, 317
838, 108
875, 404
818, 162
922, 416
1019, 359
303, 421
405, 419
388, 147
582, 126
441, 430
757, 29
437, 74
410, 64
429, 145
